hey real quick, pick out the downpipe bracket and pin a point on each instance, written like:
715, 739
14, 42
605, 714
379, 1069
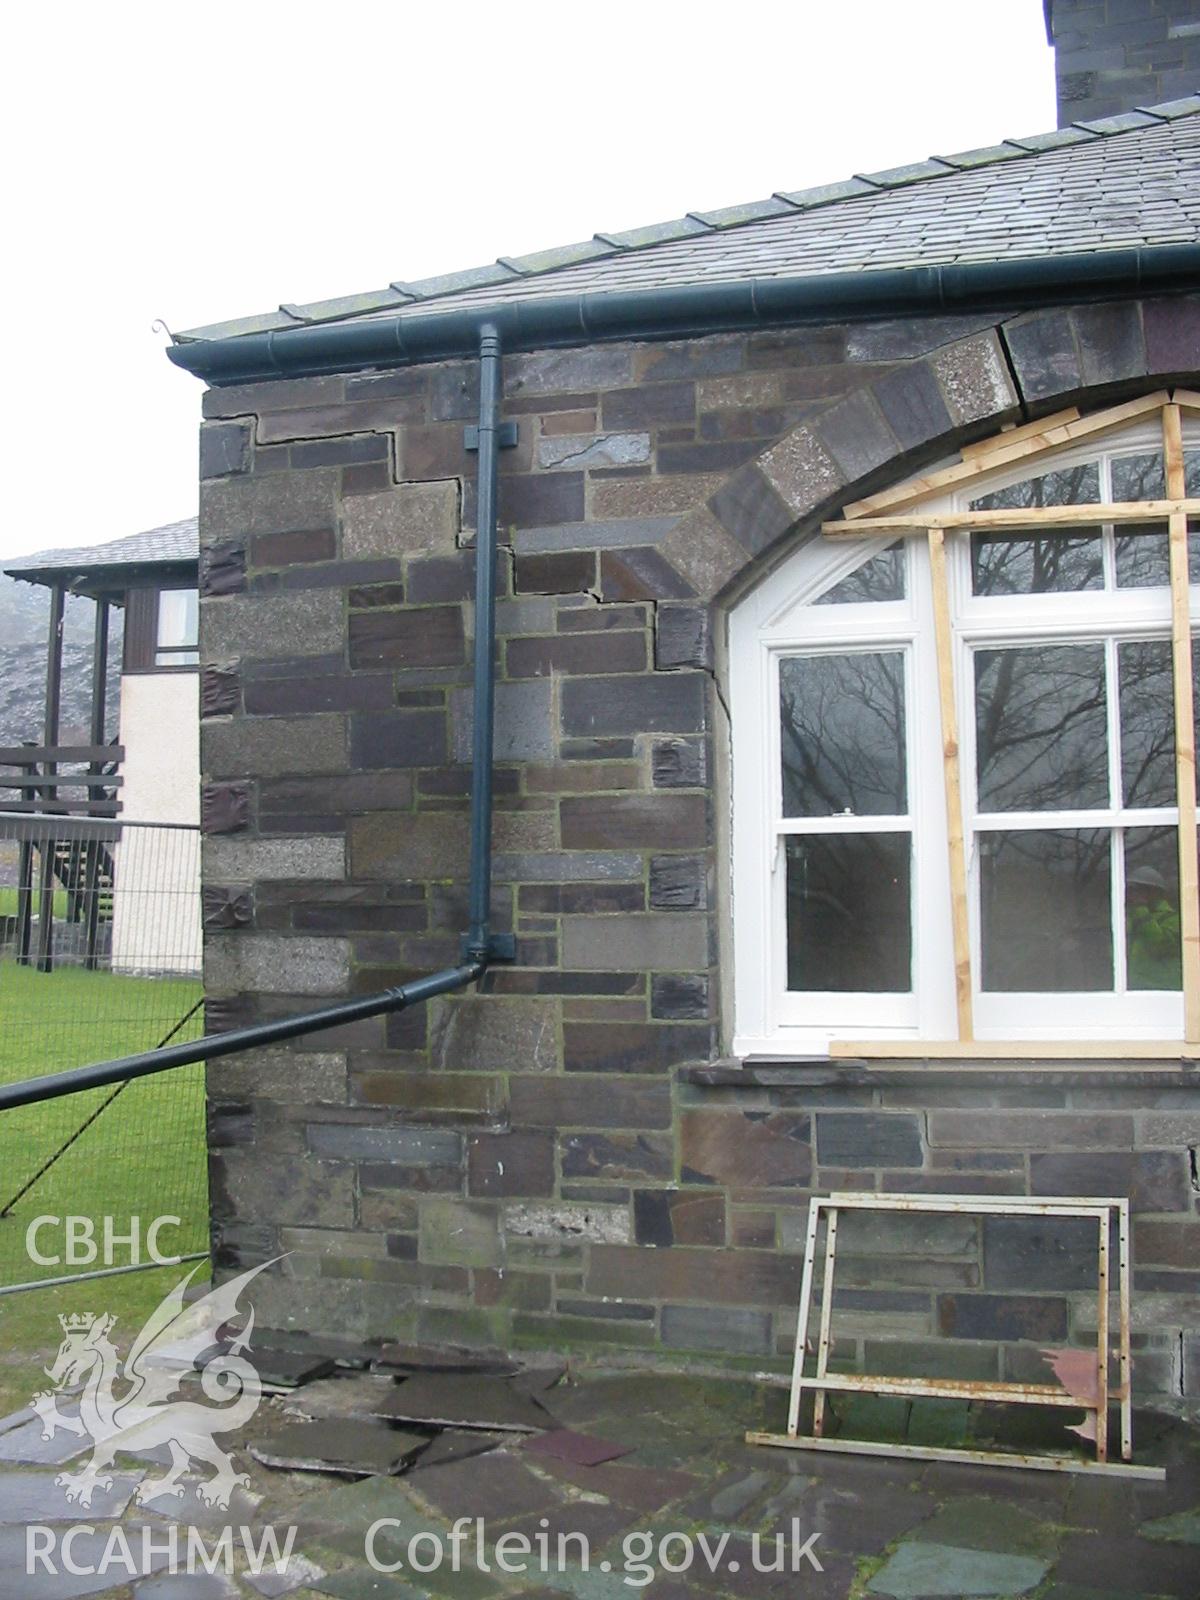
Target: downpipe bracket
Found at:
499, 947
508, 435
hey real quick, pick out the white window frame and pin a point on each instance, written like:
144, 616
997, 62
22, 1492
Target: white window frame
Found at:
778, 619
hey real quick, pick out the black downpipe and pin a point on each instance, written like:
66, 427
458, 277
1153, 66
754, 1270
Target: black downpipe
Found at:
480, 945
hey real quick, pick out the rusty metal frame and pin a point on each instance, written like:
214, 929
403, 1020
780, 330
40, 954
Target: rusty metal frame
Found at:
1103, 1211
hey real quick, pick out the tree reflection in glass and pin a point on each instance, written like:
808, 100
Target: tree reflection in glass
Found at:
1041, 733
1046, 911
1040, 563
842, 733
849, 918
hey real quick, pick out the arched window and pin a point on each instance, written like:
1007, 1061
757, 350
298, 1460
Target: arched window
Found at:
957, 793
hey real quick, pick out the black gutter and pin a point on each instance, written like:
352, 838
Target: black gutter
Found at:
480, 945
537, 323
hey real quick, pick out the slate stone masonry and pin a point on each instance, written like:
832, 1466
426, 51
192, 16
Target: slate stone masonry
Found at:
1110, 55
556, 1160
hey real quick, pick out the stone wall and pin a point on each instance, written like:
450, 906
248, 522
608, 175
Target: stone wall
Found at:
556, 1160
1114, 55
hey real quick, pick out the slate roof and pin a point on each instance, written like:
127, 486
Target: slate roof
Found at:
170, 545
1129, 180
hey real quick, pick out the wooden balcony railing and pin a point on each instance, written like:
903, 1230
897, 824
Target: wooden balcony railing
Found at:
38, 785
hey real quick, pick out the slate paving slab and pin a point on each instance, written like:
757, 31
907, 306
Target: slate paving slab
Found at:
1135, 1566
298, 1570
436, 1358
359, 1448
1180, 1527
364, 1583
640, 1488
468, 1401
567, 1445
35, 1497
187, 1586
24, 1444
190, 1511
88, 1550
497, 1488
359, 1394
975, 1523
924, 1571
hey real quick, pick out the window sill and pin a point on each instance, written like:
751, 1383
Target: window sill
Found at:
817, 1072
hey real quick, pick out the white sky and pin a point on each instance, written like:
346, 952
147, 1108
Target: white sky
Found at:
195, 161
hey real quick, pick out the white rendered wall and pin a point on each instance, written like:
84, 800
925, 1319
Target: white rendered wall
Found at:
156, 905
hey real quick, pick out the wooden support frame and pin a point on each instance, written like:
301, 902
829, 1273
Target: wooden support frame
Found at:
1185, 737
959, 914
1041, 519
1104, 1212
1028, 448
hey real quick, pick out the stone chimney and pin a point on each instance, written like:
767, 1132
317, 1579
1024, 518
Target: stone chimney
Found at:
1114, 55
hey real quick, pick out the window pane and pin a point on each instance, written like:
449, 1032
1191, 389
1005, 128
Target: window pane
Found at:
1045, 911
1139, 477
1049, 563
842, 734
1069, 486
881, 578
849, 913
1143, 557
178, 611
1040, 728
1191, 465
1147, 722
1152, 942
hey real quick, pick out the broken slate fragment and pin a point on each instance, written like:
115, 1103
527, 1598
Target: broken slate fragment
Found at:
457, 1444
453, 1400
437, 1358
359, 1449
285, 1369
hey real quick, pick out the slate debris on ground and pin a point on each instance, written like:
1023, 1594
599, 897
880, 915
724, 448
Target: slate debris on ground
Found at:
350, 1422
581, 1449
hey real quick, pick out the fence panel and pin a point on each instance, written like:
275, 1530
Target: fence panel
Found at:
99, 957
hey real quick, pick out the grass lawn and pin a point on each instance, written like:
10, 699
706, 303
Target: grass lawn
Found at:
8, 902
143, 1157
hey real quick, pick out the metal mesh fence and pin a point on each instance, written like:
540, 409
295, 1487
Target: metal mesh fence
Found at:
99, 957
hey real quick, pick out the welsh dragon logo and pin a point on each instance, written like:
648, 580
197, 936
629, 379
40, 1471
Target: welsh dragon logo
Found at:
146, 1416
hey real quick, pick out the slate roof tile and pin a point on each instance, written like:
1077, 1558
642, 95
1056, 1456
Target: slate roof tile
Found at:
1131, 180
173, 542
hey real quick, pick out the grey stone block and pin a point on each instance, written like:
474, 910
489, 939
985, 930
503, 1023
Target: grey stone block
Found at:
682, 637
224, 448
494, 1034
618, 535
593, 450
274, 747
429, 844
460, 1232
868, 1139
1041, 346
802, 471
281, 1189
679, 996
974, 379
524, 728
570, 1223
723, 1328
241, 860
563, 371
567, 866
275, 964
678, 883
856, 436
309, 622
679, 764
643, 943
410, 518
407, 1147
276, 503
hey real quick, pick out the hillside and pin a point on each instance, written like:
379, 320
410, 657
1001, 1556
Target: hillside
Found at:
24, 613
